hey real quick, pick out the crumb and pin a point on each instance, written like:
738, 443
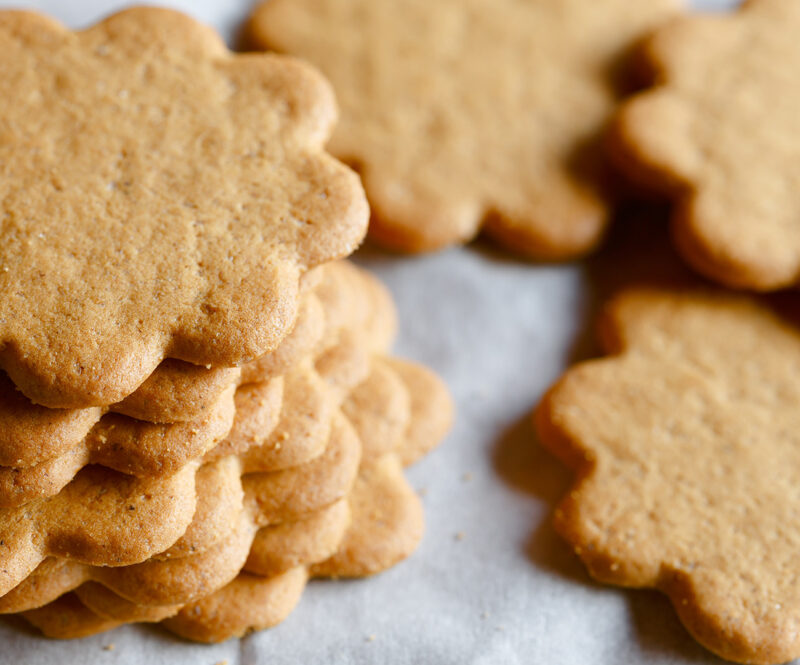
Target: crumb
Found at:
466, 477
109, 647
499, 629
460, 536
422, 491
370, 638
484, 615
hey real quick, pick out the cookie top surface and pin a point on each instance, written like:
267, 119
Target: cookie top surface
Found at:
721, 132
160, 196
460, 113
685, 448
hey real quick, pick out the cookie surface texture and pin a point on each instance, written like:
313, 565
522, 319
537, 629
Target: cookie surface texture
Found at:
165, 198
684, 444
461, 115
720, 132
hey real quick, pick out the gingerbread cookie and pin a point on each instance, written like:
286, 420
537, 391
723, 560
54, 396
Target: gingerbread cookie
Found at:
386, 526
133, 447
101, 518
43, 448
166, 197
300, 435
461, 115
177, 392
216, 545
719, 133
684, 447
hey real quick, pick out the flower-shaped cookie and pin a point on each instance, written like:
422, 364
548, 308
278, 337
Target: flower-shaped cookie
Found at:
159, 197
469, 113
315, 533
294, 463
721, 132
210, 558
686, 448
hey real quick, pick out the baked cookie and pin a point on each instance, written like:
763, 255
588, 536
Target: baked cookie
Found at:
720, 132
132, 447
468, 114
102, 518
207, 561
373, 526
286, 440
165, 198
684, 445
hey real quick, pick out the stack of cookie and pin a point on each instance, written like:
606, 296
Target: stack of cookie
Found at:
197, 409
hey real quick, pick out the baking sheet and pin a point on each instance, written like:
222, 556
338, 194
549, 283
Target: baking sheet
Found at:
491, 582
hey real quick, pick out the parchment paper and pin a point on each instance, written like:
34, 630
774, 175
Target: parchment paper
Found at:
491, 583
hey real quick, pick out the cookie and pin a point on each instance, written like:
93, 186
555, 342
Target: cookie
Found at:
176, 392
252, 602
462, 116
68, 618
157, 509
280, 547
187, 572
431, 409
387, 522
248, 603
101, 518
300, 435
259, 408
299, 343
717, 132
303, 429
132, 447
385, 527
684, 448
295, 493
197, 195
212, 514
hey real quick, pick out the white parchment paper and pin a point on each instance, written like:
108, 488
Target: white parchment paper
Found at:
491, 583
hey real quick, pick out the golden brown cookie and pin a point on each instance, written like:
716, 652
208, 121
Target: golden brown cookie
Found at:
387, 522
280, 547
246, 604
215, 546
102, 517
304, 511
719, 132
379, 409
386, 527
461, 115
298, 344
303, 429
259, 408
133, 447
684, 445
177, 391
300, 437
252, 602
68, 618
432, 409
295, 493
216, 525
165, 199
